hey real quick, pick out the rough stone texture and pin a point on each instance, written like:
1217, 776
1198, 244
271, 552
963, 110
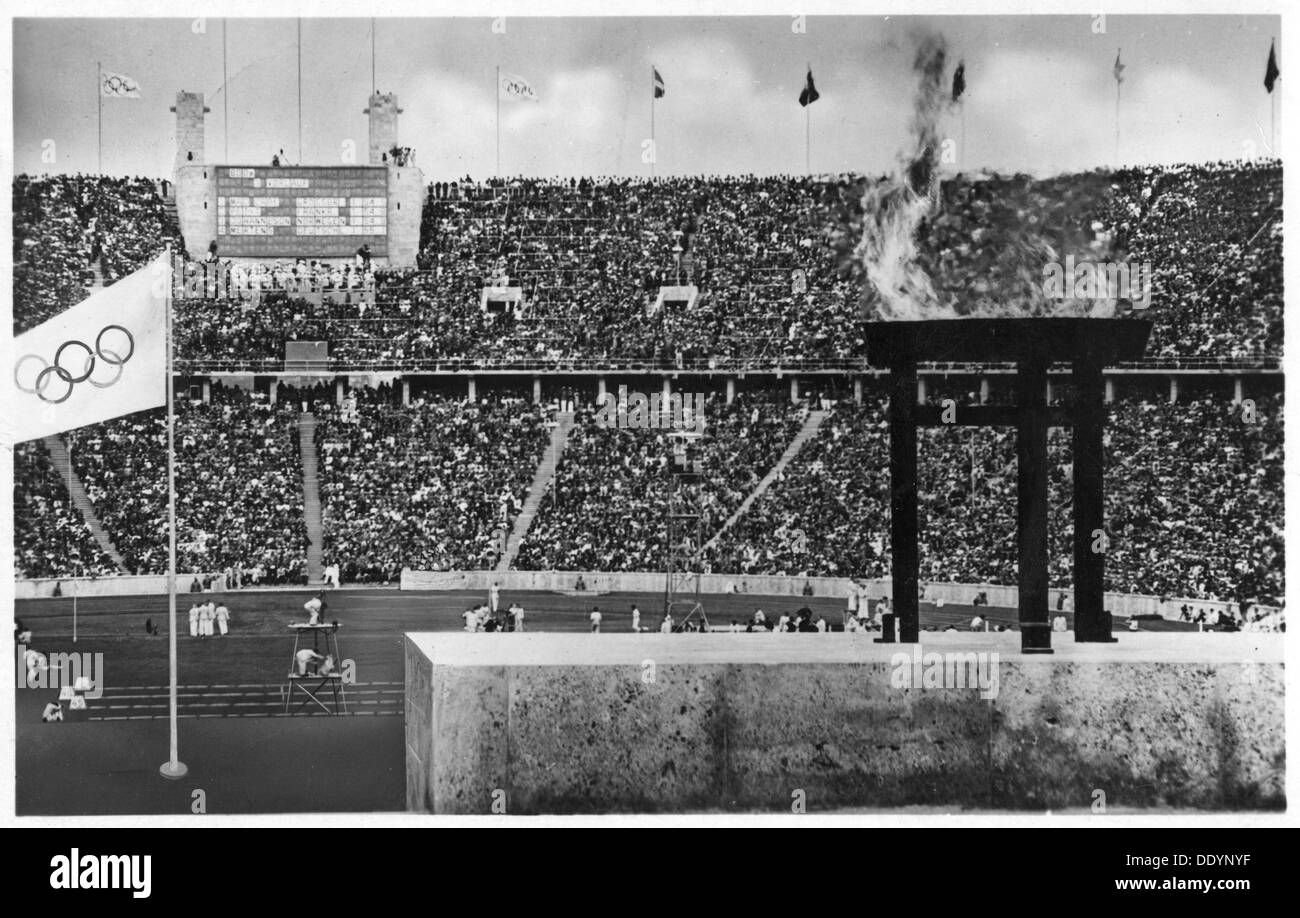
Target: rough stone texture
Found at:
196, 207
753, 723
405, 203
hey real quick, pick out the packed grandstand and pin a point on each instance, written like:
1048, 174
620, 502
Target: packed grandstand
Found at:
411, 473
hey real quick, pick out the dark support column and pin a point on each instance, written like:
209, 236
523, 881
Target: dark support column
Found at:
903, 518
1091, 620
1031, 506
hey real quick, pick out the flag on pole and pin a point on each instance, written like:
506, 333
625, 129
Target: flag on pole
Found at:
511, 88
659, 84
101, 359
810, 93
959, 81
1118, 69
1271, 73
118, 86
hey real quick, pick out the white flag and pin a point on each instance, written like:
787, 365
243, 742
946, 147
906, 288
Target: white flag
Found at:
101, 359
515, 89
118, 85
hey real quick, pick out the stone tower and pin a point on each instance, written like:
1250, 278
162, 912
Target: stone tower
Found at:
189, 109
383, 112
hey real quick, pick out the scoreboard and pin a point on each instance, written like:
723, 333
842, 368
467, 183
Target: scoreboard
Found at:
301, 211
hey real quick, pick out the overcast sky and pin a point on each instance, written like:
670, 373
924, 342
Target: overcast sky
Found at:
1040, 96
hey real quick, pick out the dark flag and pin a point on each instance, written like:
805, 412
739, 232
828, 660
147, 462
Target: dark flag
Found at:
659, 84
810, 93
959, 81
1271, 73
1118, 69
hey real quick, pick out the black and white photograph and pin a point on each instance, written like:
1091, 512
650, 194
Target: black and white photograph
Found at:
689, 413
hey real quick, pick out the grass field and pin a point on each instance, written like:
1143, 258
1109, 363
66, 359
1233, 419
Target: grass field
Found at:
244, 753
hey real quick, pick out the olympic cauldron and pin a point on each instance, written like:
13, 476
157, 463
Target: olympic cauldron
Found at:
1033, 345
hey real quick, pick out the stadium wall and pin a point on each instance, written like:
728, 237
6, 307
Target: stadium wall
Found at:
596, 582
830, 722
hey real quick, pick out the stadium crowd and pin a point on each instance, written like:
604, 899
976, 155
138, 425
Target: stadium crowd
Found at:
51, 539
239, 500
66, 226
608, 503
433, 486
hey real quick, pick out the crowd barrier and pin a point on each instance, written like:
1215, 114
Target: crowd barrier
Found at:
597, 582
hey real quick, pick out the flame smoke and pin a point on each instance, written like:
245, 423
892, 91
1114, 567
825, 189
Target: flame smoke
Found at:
898, 287
1012, 236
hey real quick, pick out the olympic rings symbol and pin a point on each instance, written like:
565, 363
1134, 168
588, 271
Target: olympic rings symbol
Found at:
109, 355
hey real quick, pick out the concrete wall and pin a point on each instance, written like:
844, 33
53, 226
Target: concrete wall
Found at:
741, 722
124, 585
196, 207
405, 203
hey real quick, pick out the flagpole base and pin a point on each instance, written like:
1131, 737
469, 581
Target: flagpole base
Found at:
173, 771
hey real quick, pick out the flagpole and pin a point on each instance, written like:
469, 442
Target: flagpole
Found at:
807, 133
300, 90
374, 86
173, 768
498, 120
1118, 82
99, 98
225, 93
654, 150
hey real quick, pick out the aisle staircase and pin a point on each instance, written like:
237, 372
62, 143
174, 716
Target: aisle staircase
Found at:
541, 483
811, 425
61, 458
311, 506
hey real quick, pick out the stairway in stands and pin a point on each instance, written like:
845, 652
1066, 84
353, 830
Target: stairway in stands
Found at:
311, 496
97, 272
541, 483
811, 425
62, 460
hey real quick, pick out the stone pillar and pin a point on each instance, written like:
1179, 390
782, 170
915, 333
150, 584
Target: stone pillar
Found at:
1031, 505
406, 393
383, 112
207, 391
1238, 391
794, 390
920, 391
273, 390
1173, 390
1092, 623
668, 390
471, 388
537, 390
338, 391
1110, 390
904, 514
731, 389
857, 390
190, 135
984, 390
600, 390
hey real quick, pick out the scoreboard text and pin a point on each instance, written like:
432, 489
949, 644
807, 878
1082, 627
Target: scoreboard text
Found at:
301, 212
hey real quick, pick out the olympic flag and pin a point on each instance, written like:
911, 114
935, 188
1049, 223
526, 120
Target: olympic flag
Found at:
101, 359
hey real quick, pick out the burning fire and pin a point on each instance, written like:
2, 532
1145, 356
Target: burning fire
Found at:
896, 210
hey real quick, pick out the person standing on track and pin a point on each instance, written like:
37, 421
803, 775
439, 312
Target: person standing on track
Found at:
223, 618
194, 619
315, 609
636, 619
205, 620
494, 598
516, 613
595, 620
